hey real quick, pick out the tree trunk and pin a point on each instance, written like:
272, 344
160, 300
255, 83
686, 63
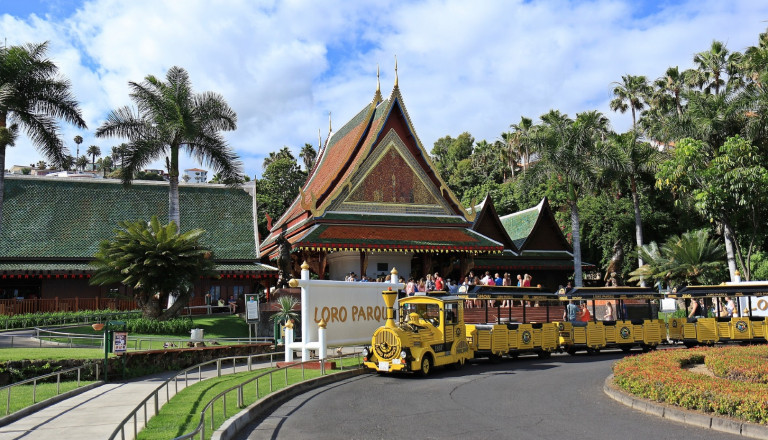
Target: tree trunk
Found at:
173, 191
638, 223
728, 238
176, 307
577, 276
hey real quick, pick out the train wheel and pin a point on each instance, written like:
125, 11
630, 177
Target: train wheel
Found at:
459, 364
571, 351
590, 351
426, 366
544, 354
626, 349
495, 358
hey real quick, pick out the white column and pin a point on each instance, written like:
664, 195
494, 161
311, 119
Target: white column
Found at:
304, 315
288, 342
322, 340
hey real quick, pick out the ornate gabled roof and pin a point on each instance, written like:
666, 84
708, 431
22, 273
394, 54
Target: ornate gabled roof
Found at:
536, 229
487, 223
374, 167
61, 220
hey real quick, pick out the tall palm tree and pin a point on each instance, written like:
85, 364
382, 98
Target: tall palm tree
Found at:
94, 151
32, 97
169, 118
630, 159
78, 140
524, 136
308, 155
674, 84
631, 93
713, 66
568, 152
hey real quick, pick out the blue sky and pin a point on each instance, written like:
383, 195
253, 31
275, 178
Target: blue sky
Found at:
283, 65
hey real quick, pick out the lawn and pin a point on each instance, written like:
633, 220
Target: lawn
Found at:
52, 354
21, 396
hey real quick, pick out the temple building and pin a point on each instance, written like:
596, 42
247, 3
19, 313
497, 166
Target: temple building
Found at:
52, 229
373, 201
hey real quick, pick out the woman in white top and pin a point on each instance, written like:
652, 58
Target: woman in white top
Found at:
609, 312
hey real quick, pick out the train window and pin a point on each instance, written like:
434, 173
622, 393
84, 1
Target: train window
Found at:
451, 313
430, 312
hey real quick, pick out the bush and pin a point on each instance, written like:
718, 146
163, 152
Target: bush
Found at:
176, 326
58, 318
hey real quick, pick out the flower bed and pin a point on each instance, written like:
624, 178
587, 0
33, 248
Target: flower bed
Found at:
662, 376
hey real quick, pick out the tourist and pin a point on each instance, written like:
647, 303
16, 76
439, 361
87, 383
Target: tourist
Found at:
498, 280
730, 307
453, 288
608, 316
439, 284
527, 280
571, 312
584, 315
430, 283
519, 280
232, 304
422, 286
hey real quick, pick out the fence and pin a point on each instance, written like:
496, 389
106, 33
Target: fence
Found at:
165, 386
39, 305
211, 406
34, 381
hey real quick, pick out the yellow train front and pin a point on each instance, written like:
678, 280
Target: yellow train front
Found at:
430, 332
634, 320
714, 323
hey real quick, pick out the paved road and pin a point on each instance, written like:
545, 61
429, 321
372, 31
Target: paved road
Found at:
558, 398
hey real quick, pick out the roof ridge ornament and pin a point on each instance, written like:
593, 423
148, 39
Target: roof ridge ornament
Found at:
396, 79
377, 96
330, 127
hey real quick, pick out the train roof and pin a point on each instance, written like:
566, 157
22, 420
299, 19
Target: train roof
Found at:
440, 296
731, 289
619, 292
507, 292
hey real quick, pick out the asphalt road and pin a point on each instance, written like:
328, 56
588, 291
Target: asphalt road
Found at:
558, 398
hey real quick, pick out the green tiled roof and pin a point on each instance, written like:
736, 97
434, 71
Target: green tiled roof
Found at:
59, 218
520, 224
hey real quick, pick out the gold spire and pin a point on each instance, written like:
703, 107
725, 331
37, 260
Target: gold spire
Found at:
396, 81
319, 140
377, 97
330, 129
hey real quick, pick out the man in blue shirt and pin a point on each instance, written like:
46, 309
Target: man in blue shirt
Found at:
498, 280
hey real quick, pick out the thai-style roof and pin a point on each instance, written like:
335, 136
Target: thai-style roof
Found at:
487, 222
374, 171
535, 229
50, 224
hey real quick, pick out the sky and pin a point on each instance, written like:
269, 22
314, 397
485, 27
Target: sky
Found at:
283, 66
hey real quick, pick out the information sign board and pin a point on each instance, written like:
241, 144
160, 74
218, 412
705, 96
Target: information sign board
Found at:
251, 307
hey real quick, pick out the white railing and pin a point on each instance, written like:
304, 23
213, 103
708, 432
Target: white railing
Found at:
37, 379
182, 376
137, 344
239, 389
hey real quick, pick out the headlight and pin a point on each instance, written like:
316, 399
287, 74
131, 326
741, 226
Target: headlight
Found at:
403, 354
366, 352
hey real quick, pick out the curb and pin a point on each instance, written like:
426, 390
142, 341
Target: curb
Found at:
688, 417
20, 414
239, 421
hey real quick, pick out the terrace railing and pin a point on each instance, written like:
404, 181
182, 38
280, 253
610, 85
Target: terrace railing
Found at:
7, 390
141, 412
208, 412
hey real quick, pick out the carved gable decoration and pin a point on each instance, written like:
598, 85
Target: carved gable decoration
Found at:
388, 183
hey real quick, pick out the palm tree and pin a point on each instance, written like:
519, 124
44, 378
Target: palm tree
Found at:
568, 153
284, 312
524, 137
674, 84
41, 165
94, 151
631, 93
713, 65
105, 164
81, 163
284, 153
691, 258
78, 140
308, 155
170, 117
32, 97
630, 159
132, 258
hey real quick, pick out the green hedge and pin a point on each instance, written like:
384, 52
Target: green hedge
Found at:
59, 318
146, 326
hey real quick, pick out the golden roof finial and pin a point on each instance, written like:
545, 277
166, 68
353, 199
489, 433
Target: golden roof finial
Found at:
330, 129
319, 140
377, 96
396, 80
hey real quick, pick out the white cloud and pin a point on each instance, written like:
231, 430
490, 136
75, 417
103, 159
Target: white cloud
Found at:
463, 66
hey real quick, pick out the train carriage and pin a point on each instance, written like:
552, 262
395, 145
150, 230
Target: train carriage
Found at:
511, 336
718, 325
636, 324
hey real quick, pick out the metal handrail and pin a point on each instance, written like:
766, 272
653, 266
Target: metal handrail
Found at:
155, 395
239, 388
34, 381
138, 342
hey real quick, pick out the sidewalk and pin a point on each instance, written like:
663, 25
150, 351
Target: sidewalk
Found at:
94, 414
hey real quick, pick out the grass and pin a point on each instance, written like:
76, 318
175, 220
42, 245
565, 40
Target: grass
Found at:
53, 354
182, 414
22, 395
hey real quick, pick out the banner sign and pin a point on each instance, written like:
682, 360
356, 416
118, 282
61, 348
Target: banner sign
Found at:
119, 342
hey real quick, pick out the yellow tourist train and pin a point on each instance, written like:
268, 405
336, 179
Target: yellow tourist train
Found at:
713, 320
432, 330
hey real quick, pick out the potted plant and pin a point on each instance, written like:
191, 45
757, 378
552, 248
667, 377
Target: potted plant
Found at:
284, 313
